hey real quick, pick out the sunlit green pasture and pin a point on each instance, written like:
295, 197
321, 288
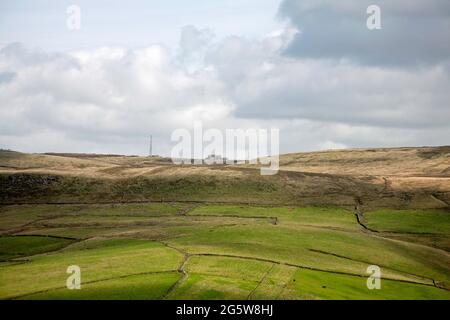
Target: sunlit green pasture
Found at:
140, 251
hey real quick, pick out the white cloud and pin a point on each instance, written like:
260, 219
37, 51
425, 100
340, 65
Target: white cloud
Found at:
111, 98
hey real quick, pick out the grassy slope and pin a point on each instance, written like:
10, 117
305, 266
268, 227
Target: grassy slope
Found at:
427, 161
293, 239
409, 221
319, 238
294, 246
98, 260
326, 238
335, 217
139, 287
310, 284
16, 217
230, 278
349, 175
15, 247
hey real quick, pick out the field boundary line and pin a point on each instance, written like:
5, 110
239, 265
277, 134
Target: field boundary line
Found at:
93, 281
181, 268
273, 219
199, 202
370, 263
261, 281
384, 234
188, 255
309, 268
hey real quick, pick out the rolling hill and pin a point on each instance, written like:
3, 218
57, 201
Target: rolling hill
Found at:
144, 228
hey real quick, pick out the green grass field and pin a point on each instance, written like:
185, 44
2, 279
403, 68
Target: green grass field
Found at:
15, 247
410, 221
191, 251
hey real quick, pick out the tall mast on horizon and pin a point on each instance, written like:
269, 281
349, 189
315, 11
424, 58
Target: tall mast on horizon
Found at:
150, 152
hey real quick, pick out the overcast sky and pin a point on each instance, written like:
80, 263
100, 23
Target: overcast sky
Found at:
310, 68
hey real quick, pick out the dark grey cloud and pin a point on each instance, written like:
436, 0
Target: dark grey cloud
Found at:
345, 93
266, 85
413, 31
